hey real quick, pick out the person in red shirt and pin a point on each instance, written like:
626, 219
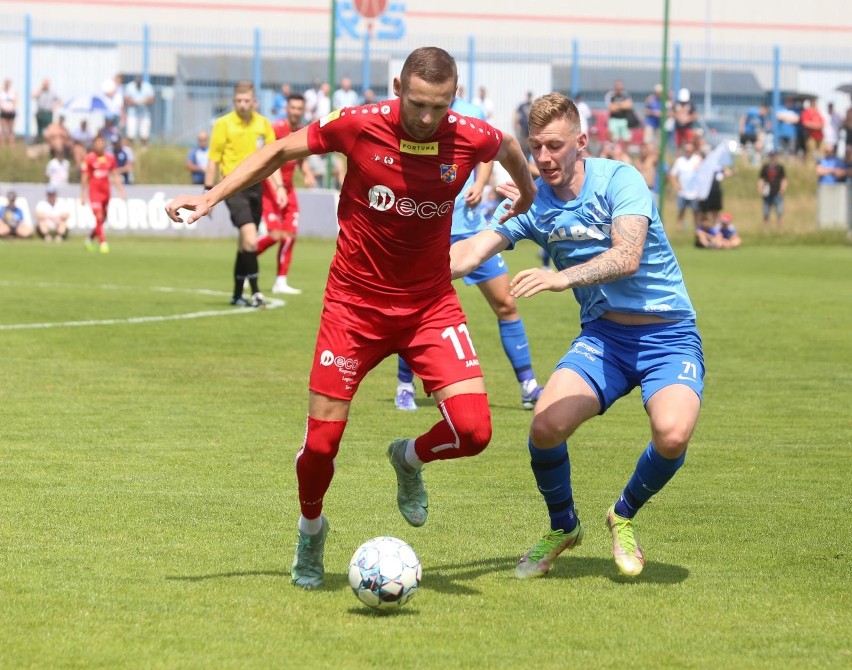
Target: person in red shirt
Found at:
96, 171
282, 223
389, 288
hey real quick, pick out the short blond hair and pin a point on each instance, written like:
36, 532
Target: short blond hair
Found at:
553, 106
244, 87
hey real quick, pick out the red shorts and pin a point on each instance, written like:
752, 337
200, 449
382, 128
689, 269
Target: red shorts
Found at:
356, 334
287, 219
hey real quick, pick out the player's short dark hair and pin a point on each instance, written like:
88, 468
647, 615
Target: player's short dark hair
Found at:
553, 106
431, 64
295, 96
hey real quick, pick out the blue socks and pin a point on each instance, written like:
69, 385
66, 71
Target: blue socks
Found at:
517, 348
552, 471
403, 373
651, 474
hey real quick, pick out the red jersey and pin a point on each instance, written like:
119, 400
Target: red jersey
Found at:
99, 169
396, 204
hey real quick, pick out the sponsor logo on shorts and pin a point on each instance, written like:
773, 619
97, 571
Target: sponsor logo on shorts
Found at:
383, 199
418, 148
583, 349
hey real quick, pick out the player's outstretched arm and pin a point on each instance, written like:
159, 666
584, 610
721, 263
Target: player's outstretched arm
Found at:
620, 260
253, 169
468, 254
512, 158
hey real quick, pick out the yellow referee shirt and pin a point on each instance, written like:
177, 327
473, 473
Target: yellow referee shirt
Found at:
233, 140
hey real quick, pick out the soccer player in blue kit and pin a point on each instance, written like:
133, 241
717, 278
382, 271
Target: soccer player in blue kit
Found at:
597, 220
491, 277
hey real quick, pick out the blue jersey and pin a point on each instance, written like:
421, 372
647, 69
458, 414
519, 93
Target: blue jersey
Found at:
575, 232
466, 219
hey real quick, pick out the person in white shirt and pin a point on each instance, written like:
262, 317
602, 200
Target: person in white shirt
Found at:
57, 170
345, 96
138, 100
51, 218
485, 103
683, 179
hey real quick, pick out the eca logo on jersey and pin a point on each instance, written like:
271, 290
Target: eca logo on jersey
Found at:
382, 199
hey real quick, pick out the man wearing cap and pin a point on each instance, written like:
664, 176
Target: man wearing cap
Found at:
685, 117
12, 222
51, 218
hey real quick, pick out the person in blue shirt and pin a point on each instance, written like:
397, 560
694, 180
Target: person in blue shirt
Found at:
12, 223
492, 278
598, 221
830, 169
787, 118
198, 157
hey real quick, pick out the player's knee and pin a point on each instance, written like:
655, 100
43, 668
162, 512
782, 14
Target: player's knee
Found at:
548, 429
470, 418
507, 309
322, 438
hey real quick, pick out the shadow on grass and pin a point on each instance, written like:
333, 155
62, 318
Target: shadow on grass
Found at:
454, 578
330, 581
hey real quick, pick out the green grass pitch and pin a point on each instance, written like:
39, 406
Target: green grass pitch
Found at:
147, 491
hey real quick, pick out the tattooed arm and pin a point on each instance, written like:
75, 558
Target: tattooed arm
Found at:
621, 260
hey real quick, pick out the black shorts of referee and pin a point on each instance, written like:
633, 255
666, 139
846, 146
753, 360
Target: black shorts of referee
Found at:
246, 206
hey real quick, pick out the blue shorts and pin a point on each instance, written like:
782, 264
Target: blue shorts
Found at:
770, 201
615, 359
493, 267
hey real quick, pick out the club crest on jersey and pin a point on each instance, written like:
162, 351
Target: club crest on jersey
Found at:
449, 173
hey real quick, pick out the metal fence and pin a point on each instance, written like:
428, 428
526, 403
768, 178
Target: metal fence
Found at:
193, 71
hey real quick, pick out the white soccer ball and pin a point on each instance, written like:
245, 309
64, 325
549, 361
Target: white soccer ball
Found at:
384, 573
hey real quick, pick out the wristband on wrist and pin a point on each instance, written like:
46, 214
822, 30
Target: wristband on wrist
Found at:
207, 188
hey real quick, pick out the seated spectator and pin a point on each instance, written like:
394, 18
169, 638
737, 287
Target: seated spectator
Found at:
730, 236
51, 218
197, 158
830, 169
58, 169
12, 222
708, 235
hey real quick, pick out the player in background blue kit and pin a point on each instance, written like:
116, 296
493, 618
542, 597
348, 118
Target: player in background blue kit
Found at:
597, 220
491, 277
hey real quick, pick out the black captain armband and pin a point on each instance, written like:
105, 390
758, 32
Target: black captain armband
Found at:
207, 188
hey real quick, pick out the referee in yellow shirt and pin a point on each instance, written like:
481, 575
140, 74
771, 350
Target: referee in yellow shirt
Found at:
235, 137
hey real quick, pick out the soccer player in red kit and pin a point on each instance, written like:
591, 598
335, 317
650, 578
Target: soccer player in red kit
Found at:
389, 289
282, 223
97, 169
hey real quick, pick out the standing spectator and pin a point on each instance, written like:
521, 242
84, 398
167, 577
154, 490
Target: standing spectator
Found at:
772, 185
369, 97
653, 116
81, 142
279, 102
323, 106
57, 137
647, 165
787, 118
311, 97
485, 103
197, 158
389, 289
753, 129
51, 218
619, 104
282, 221
8, 112
46, 104
124, 159
847, 134
345, 96
522, 129
831, 130
831, 169
113, 96
682, 176
585, 113
138, 103
812, 125
236, 136
12, 222
99, 167
685, 117
58, 169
